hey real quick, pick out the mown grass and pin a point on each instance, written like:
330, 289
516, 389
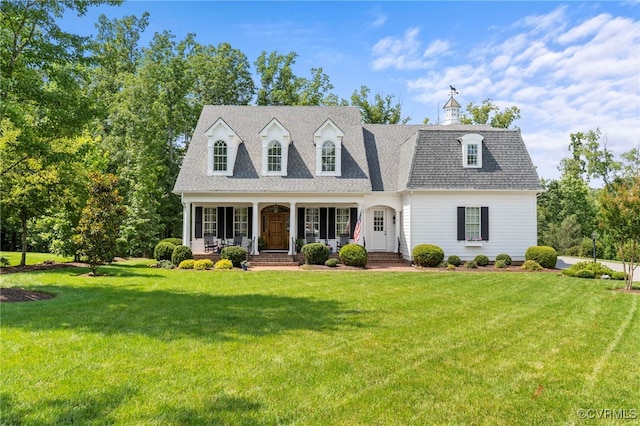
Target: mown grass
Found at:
32, 257
152, 346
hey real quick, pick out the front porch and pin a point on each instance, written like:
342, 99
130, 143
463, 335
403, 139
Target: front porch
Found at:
284, 259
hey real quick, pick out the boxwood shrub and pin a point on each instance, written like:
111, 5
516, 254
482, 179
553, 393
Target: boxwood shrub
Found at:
481, 260
428, 255
163, 251
187, 264
332, 263
454, 260
584, 273
223, 264
174, 241
501, 264
504, 257
181, 253
471, 264
315, 253
545, 256
531, 265
353, 255
203, 264
235, 254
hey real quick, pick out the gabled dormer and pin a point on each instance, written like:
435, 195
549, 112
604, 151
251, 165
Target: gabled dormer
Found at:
471, 150
275, 149
328, 142
222, 148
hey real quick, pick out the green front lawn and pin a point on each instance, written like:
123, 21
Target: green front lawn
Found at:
32, 258
153, 346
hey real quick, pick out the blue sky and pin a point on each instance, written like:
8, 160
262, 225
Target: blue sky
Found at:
569, 66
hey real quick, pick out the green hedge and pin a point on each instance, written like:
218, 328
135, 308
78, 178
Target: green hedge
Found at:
454, 260
332, 263
315, 253
181, 253
353, 255
471, 264
504, 257
545, 256
428, 255
187, 264
531, 265
223, 264
163, 251
481, 260
203, 264
174, 241
235, 254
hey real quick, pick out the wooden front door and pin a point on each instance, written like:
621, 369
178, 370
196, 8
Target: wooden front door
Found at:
277, 235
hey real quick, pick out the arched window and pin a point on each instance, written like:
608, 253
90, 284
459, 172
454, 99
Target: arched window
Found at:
274, 157
328, 156
220, 156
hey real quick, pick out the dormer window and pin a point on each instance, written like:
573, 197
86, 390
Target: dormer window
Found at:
328, 142
275, 149
328, 157
222, 147
471, 150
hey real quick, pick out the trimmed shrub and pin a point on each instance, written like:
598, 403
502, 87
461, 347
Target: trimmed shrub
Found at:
572, 251
223, 264
597, 269
454, 260
353, 255
544, 256
163, 251
203, 264
181, 253
501, 264
428, 255
584, 273
235, 254
617, 275
531, 265
187, 264
315, 253
174, 241
4, 262
470, 264
481, 260
332, 263
504, 257
451, 266
164, 264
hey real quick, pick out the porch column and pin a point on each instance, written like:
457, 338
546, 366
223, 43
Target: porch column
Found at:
395, 243
256, 228
186, 224
292, 227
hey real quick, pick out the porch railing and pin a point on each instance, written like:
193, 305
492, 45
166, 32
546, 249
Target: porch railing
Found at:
250, 249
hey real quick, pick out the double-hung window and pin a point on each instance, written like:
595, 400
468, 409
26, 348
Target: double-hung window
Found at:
219, 156
472, 224
241, 221
342, 221
210, 221
328, 157
274, 157
312, 221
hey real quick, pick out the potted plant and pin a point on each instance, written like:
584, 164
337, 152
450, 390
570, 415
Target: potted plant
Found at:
245, 265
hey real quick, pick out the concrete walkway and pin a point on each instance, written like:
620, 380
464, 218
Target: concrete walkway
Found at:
566, 261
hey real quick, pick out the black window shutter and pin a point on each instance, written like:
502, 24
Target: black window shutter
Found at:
250, 224
301, 233
198, 222
220, 226
229, 223
461, 231
353, 213
332, 223
323, 222
484, 223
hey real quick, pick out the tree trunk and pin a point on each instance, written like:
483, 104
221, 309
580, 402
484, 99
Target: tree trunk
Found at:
23, 219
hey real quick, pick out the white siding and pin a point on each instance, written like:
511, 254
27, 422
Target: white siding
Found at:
405, 229
512, 222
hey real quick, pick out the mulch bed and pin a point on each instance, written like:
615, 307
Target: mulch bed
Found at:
9, 295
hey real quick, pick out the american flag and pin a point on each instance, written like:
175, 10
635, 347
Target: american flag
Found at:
356, 231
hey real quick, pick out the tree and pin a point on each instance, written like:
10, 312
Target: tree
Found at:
591, 159
490, 112
379, 111
620, 217
42, 104
100, 222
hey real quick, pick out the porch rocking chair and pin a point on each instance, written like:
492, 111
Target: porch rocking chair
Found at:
237, 239
344, 240
310, 238
210, 243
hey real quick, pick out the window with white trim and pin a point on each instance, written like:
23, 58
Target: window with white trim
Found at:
343, 218
328, 156
220, 156
241, 221
209, 220
472, 224
471, 150
222, 149
274, 157
312, 221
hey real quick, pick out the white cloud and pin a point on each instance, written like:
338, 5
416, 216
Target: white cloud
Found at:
379, 20
406, 53
565, 74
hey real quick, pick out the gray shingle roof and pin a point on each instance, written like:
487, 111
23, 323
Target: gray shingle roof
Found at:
375, 157
301, 122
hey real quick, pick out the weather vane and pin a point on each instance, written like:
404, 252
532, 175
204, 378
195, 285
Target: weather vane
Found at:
453, 90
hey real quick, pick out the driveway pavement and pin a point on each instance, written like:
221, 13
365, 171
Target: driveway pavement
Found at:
566, 261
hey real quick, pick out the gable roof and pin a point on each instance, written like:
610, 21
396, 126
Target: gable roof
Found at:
375, 157
301, 122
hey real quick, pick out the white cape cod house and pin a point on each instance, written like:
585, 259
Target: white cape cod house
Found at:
295, 172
